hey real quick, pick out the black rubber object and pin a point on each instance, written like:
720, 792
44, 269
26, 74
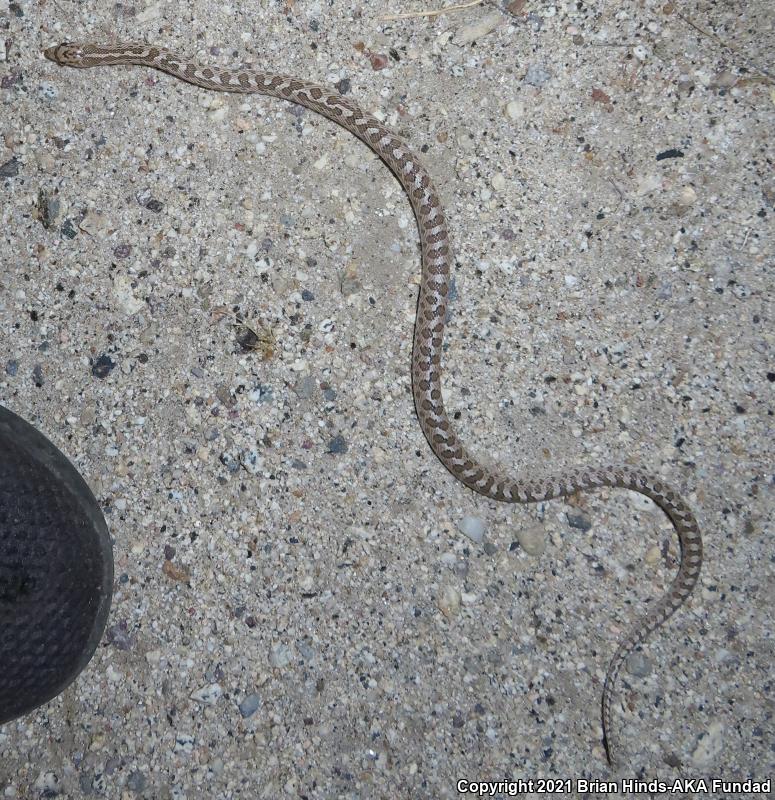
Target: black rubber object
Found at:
56, 569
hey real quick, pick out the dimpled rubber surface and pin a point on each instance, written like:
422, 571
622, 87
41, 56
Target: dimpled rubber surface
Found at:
56, 569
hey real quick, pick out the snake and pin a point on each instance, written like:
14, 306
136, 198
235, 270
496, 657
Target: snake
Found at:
432, 300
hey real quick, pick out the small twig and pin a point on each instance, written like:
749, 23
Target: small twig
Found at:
434, 13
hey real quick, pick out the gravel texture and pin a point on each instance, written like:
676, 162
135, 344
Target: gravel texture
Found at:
207, 302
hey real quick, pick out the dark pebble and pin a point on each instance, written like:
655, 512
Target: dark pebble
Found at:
579, 521
343, 86
67, 230
118, 636
230, 462
112, 764
9, 80
102, 367
154, 205
337, 445
306, 294
136, 782
122, 251
11, 367
37, 375
48, 209
249, 705
10, 169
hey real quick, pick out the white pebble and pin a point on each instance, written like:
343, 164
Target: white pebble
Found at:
532, 540
280, 656
472, 527
709, 747
515, 109
448, 601
470, 33
208, 695
640, 52
688, 197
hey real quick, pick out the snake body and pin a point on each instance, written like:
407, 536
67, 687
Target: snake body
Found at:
429, 324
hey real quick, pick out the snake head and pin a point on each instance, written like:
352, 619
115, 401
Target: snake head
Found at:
67, 54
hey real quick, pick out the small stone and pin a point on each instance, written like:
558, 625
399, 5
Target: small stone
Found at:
709, 746
11, 367
638, 665
67, 230
653, 555
688, 197
724, 80
305, 388
208, 695
448, 601
532, 539
498, 181
537, 75
251, 461
48, 209
378, 61
249, 705
136, 782
175, 572
122, 291
480, 28
579, 521
472, 527
515, 109
337, 445
184, 743
640, 52
102, 366
119, 637
10, 169
46, 784
648, 183
94, 224
280, 656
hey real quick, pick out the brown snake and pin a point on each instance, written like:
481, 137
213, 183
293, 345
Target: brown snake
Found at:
429, 322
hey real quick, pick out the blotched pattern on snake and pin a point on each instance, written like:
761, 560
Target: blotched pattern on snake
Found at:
429, 323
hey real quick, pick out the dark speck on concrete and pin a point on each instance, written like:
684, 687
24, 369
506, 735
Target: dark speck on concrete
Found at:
672, 153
